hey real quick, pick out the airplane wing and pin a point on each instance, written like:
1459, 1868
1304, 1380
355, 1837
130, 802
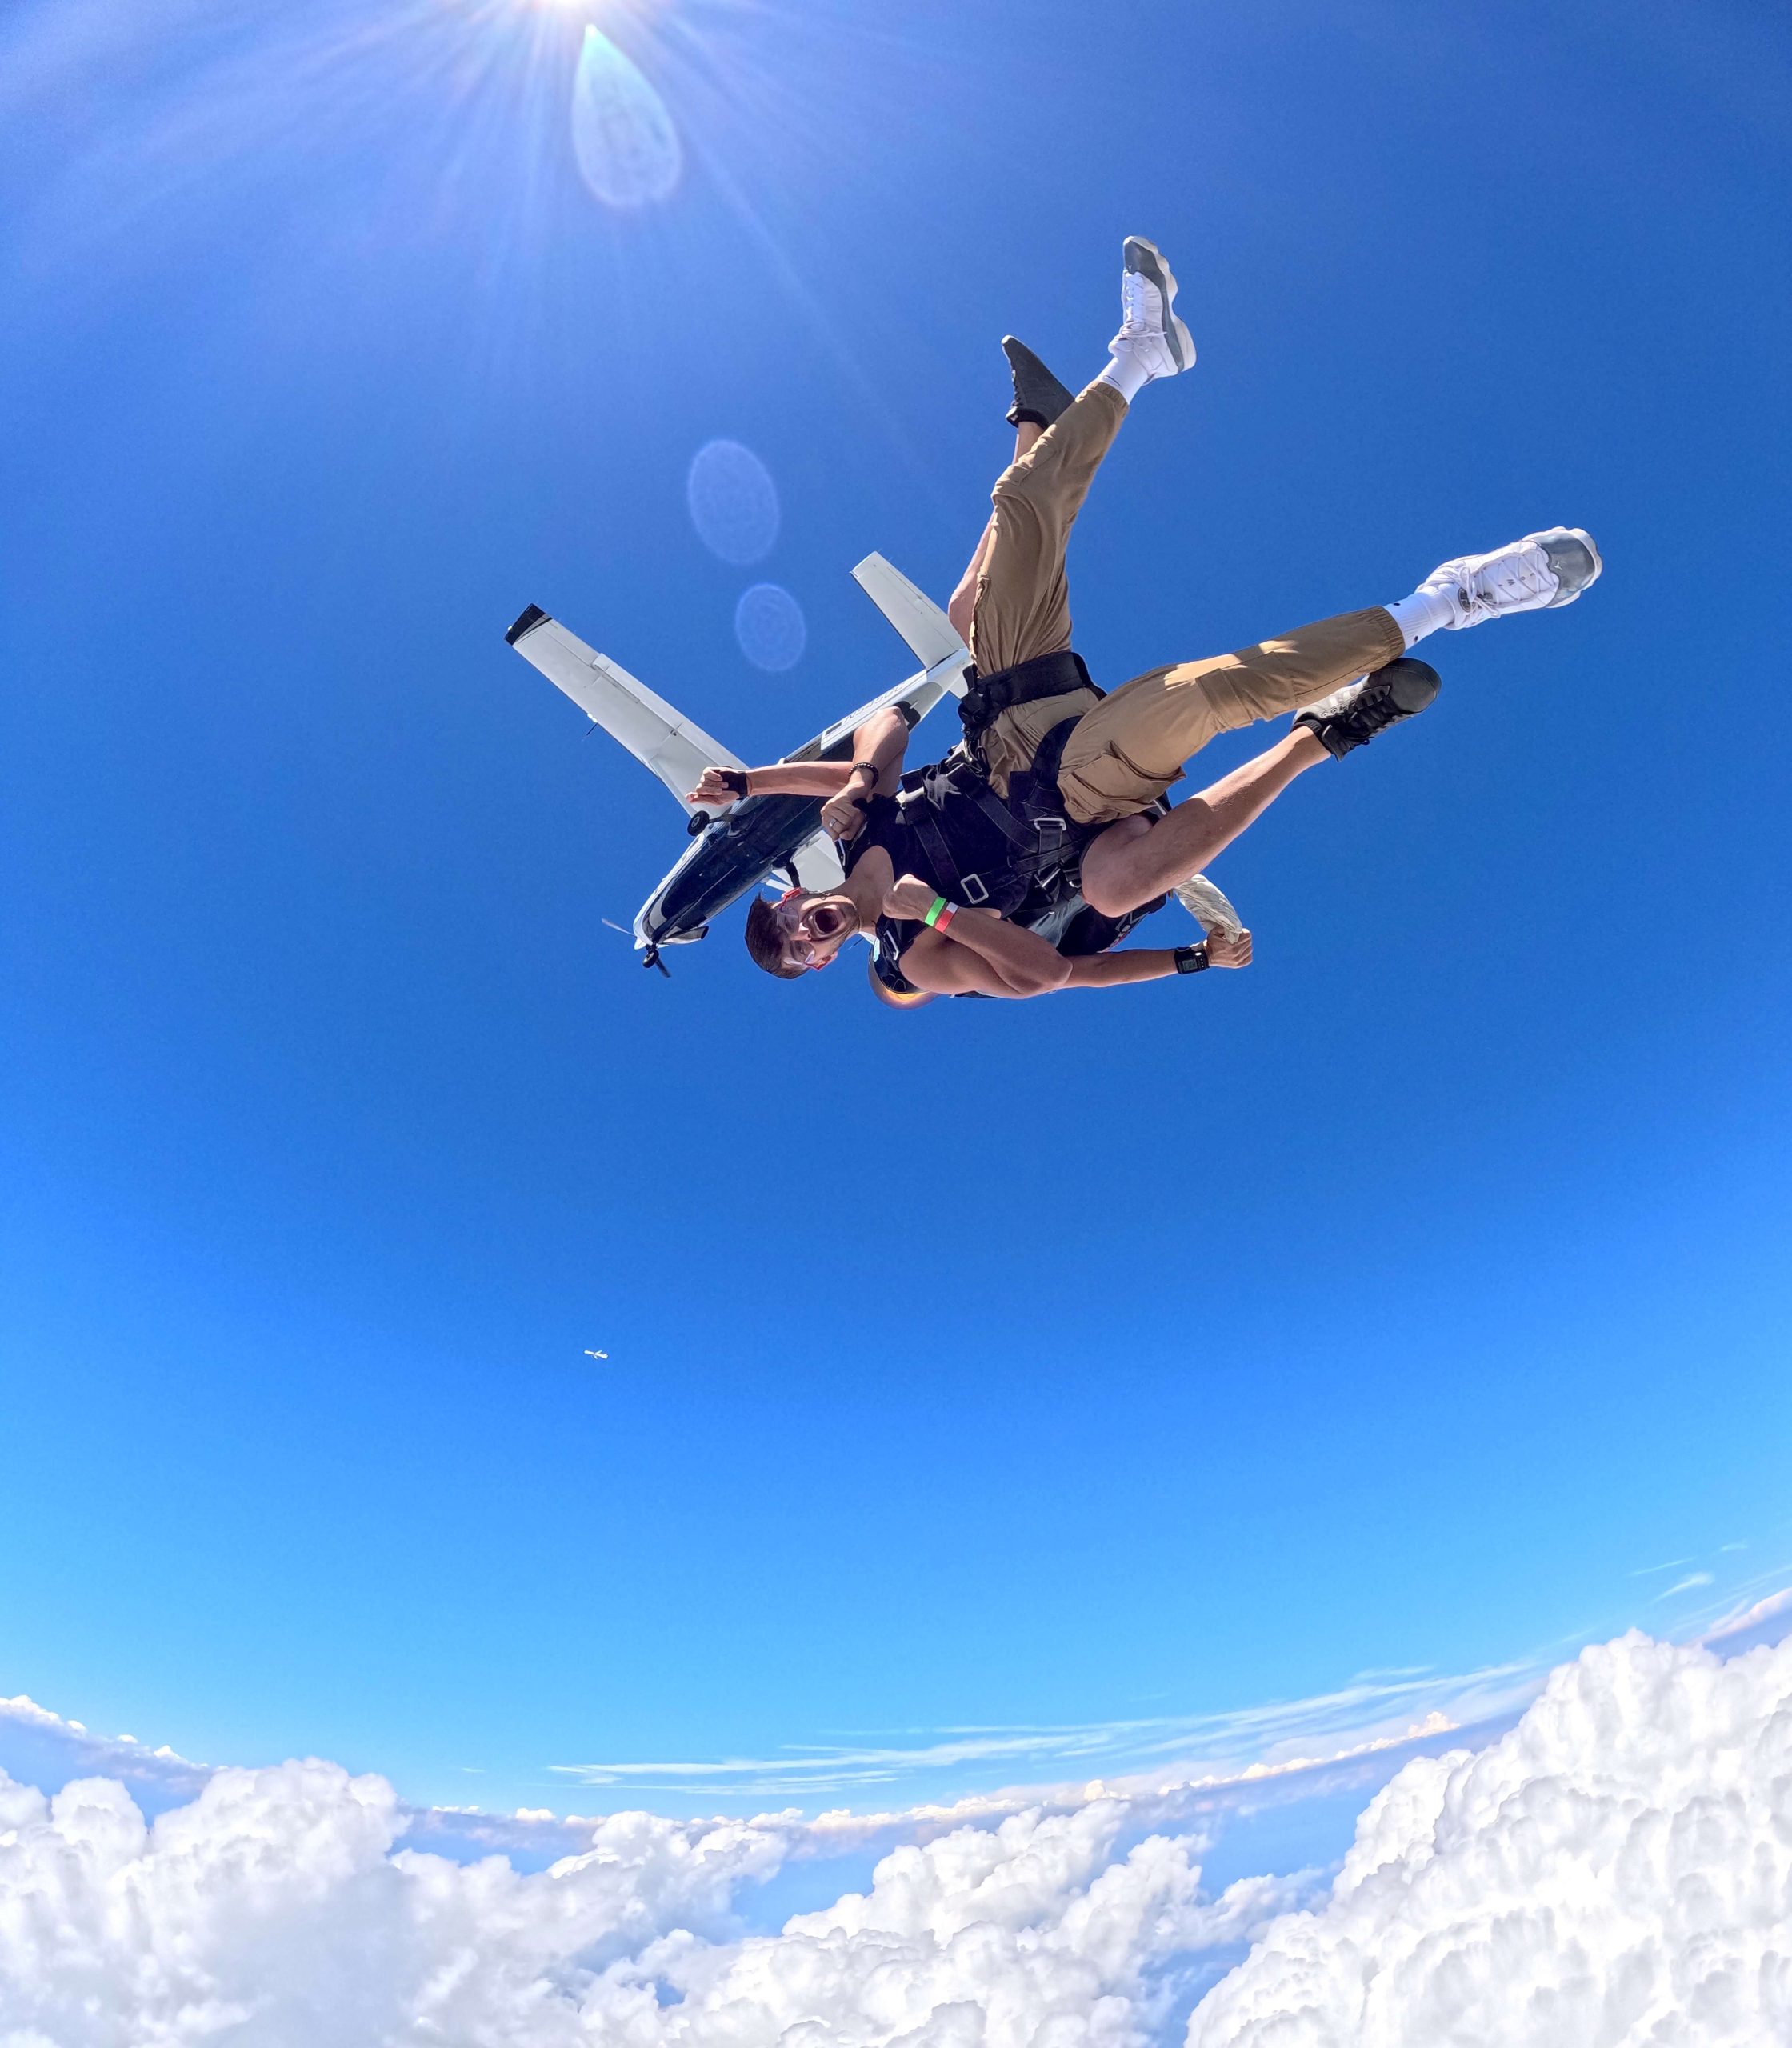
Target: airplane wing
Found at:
736, 848
660, 737
912, 612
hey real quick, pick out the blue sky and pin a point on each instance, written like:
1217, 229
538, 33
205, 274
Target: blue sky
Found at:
1404, 1303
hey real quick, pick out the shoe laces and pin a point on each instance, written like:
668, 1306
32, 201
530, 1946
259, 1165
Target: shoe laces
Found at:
1506, 579
1141, 314
1371, 707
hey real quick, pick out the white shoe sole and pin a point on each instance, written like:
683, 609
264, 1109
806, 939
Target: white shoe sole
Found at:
1586, 541
1207, 907
1145, 260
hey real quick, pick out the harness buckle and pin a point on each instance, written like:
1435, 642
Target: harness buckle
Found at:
974, 891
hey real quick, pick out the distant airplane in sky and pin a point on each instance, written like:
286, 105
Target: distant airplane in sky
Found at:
597, 1354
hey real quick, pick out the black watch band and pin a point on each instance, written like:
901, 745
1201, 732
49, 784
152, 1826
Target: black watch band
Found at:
735, 779
1192, 959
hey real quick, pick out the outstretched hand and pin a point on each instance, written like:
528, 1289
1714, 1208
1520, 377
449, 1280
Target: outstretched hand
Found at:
1225, 949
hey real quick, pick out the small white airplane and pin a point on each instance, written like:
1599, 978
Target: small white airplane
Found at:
597, 1354
737, 849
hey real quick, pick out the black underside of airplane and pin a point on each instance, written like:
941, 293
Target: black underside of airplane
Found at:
733, 853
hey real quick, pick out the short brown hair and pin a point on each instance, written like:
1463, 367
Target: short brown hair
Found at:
765, 940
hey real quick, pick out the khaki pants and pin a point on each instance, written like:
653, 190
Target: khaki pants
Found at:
1128, 747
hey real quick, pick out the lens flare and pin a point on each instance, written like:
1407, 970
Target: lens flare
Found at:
769, 624
628, 150
733, 502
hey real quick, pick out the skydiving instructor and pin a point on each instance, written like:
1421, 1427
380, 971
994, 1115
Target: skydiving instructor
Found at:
934, 872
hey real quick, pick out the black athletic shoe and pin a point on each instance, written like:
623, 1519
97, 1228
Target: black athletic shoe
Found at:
1038, 396
1351, 717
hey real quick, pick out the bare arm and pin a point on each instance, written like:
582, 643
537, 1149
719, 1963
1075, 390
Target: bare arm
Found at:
879, 746
1151, 963
980, 954
1112, 970
962, 963
970, 974
722, 786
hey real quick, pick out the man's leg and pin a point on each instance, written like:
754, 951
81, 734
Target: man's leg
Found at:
1128, 751
961, 605
1131, 748
1021, 604
1140, 858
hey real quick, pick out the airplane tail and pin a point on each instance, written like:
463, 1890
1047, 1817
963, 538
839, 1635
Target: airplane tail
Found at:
914, 615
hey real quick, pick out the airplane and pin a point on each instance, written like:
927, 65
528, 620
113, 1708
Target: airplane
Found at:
756, 837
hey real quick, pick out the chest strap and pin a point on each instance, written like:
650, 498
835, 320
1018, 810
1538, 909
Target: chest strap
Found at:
1045, 847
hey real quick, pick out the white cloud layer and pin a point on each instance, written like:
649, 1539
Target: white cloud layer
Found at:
1617, 1869
274, 1909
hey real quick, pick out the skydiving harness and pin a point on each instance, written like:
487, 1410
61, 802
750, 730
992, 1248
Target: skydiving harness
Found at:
1045, 847
1039, 885
1046, 675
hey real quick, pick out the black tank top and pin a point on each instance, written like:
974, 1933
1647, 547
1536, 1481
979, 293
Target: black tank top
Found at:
978, 849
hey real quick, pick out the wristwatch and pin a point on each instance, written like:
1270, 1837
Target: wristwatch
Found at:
1192, 959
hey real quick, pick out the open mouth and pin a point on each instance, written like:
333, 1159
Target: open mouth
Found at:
827, 920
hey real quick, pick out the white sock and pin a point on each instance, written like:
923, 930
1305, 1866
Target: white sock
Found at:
1126, 373
1425, 611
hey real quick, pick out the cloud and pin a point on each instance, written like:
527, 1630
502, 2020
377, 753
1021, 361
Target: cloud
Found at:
43, 1744
1376, 1707
1620, 1861
1616, 1869
275, 1908
1765, 1620
1690, 1583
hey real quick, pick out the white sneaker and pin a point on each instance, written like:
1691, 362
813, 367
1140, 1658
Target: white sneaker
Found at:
1207, 907
1534, 574
1150, 332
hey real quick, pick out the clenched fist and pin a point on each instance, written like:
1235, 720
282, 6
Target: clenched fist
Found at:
716, 790
843, 817
1225, 951
908, 898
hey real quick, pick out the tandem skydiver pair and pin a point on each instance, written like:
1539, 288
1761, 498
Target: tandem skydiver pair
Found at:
1010, 868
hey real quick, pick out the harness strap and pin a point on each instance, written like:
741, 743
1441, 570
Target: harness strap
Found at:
1046, 675
965, 888
1045, 846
